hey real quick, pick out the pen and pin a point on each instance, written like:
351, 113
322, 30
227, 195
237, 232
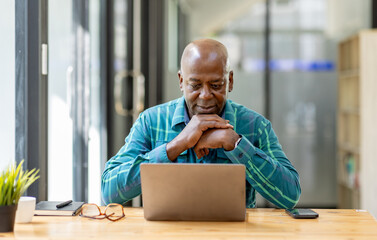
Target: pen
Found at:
63, 204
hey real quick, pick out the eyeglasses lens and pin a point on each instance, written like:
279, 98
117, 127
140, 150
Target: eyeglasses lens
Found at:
114, 211
90, 211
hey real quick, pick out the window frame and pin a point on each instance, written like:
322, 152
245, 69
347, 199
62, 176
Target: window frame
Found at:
31, 91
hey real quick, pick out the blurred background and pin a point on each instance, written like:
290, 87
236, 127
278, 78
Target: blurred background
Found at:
76, 74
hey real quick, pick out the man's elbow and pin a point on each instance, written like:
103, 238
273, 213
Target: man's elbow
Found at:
108, 193
105, 192
295, 197
111, 193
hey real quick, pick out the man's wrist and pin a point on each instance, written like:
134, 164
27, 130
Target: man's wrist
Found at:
238, 141
174, 148
231, 142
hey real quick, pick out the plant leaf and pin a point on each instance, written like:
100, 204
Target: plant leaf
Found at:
14, 181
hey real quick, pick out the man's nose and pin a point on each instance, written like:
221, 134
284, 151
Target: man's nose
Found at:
205, 93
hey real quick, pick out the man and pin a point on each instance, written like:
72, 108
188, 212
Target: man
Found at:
204, 127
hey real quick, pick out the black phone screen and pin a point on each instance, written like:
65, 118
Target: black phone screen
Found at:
302, 213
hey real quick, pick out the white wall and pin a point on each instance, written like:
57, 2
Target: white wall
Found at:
208, 16
7, 83
346, 17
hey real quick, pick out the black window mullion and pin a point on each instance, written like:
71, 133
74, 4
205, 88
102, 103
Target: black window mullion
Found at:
267, 79
374, 13
31, 91
80, 100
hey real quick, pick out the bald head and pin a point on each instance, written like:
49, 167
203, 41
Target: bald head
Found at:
204, 78
204, 51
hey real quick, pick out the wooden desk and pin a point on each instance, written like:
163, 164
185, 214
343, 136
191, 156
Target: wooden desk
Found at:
260, 224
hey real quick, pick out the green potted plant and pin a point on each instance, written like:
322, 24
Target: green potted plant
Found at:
13, 183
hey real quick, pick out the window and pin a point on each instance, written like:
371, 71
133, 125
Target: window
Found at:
7, 83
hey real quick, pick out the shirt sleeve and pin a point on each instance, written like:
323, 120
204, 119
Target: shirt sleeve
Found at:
120, 180
267, 168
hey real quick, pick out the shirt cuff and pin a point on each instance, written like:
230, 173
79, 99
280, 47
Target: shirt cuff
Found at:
159, 155
243, 153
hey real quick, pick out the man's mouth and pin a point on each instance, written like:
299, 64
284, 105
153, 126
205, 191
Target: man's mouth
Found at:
206, 109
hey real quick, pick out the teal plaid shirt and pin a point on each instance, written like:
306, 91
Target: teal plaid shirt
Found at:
268, 170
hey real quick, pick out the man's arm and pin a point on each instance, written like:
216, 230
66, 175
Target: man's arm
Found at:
267, 168
121, 179
216, 138
192, 133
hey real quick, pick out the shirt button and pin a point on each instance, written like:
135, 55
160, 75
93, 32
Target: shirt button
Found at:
240, 155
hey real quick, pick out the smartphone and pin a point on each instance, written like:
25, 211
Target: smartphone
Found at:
301, 213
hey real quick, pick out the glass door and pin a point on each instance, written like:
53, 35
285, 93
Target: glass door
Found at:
60, 129
126, 87
7, 83
74, 120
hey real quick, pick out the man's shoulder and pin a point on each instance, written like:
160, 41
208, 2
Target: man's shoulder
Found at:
241, 110
247, 120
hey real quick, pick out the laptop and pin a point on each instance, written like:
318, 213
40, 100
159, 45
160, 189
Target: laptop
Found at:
193, 192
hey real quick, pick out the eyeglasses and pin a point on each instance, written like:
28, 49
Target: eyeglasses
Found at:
113, 211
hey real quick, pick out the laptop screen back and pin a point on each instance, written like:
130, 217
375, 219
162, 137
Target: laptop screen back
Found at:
193, 192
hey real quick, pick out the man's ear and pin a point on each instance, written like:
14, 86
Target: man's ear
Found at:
180, 80
230, 81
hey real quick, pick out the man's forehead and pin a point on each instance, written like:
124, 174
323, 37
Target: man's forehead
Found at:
204, 54
210, 59
199, 68
201, 80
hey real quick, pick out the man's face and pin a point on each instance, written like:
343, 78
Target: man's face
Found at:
205, 85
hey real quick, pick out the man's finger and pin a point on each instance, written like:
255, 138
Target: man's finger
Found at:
206, 151
201, 153
209, 118
214, 124
198, 152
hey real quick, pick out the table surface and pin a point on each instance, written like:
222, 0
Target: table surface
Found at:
259, 224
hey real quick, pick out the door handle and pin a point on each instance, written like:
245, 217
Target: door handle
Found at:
70, 89
138, 93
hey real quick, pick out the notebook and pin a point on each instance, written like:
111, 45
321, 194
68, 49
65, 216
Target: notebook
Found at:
48, 208
193, 192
